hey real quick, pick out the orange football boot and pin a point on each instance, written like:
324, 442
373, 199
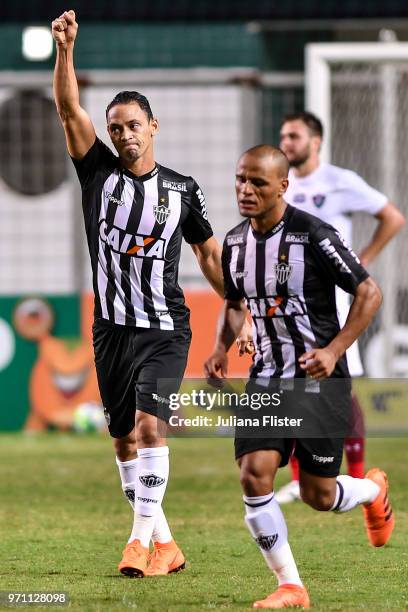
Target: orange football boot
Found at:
379, 518
165, 559
134, 560
286, 596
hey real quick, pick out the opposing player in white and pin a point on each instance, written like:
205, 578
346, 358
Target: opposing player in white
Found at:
333, 194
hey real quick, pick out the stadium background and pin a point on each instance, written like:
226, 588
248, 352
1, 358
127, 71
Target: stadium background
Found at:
219, 76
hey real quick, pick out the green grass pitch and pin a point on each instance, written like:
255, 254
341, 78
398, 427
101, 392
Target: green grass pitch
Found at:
64, 522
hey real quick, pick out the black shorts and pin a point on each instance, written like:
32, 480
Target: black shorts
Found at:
137, 369
317, 456
317, 442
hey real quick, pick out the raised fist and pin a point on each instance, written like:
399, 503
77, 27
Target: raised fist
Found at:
64, 28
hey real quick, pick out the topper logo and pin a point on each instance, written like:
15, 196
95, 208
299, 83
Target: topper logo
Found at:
112, 199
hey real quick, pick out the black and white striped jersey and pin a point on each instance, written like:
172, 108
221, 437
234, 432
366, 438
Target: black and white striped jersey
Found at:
134, 226
288, 277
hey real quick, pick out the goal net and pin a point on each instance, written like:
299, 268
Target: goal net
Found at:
360, 93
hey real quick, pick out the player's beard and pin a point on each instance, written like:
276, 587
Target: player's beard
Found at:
301, 158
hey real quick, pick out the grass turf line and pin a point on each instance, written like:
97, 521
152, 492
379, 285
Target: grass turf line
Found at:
64, 522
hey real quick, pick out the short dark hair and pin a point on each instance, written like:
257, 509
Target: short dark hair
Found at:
128, 97
309, 119
278, 156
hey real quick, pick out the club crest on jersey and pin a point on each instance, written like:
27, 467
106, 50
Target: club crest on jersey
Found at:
161, 214
319, 200
137, 245
266, 542
151, 480
283, 272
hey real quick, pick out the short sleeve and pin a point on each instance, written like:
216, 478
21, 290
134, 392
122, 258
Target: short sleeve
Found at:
359, 196
98, 158
196, 227
231, 292
337, 259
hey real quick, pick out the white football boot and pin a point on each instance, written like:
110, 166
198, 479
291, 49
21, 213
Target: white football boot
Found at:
288, 493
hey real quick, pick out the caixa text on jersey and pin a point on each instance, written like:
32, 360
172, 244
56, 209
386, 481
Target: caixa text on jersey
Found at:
135, 245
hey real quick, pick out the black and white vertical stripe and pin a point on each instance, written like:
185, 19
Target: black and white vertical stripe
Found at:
280, 339
130, 289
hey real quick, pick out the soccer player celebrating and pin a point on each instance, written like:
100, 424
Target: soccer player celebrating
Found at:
333, 194
136, 213
285, 264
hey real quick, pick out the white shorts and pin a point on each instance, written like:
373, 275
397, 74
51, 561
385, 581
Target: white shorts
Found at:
354, 363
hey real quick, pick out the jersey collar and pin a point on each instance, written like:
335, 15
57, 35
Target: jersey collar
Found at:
273, 230
143, 177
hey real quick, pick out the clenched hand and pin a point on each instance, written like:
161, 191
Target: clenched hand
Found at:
64, 28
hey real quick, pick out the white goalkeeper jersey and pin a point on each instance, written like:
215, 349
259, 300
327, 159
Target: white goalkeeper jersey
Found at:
333, 194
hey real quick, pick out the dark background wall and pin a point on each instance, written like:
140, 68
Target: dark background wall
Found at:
157, 10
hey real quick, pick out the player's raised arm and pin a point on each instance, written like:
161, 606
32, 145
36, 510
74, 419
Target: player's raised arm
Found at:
79, 131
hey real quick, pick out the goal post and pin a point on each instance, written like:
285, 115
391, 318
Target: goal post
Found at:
360, 92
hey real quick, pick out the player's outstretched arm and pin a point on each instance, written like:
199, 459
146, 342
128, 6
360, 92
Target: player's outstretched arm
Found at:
79, 131
320, 363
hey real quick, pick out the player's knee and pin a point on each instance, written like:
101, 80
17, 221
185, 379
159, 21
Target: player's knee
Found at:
254, 483
147, 436
318, 499
125, 448
248, 480
148, 430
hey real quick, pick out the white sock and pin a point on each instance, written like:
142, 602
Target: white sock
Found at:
267, 525
153, 473
161, 532
354, 491
128, 477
